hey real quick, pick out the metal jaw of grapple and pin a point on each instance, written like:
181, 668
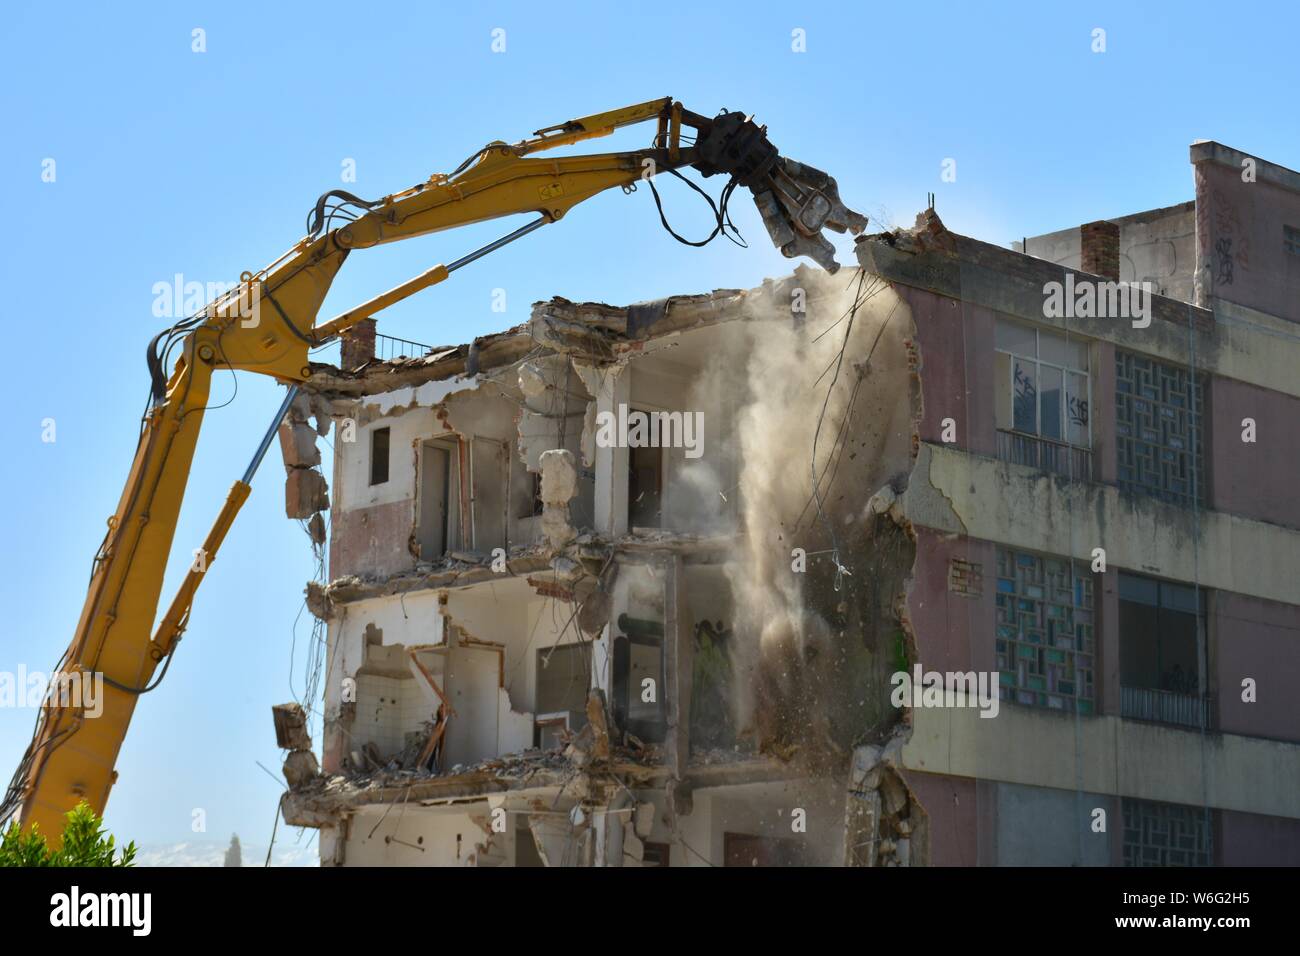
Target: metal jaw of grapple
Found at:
796, 201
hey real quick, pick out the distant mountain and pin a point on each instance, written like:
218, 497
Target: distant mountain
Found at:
213, 853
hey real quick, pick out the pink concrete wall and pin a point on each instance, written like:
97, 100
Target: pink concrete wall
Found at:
1254, 480
1261, 640
1249, 839
372, 540
953, 632
1105, 600
956, 345
953, 809
1239, 237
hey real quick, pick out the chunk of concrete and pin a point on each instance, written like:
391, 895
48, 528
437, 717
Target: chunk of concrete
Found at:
300, 767
291, 727
305, 493
559, 485
531, 381
316, 529
556, 527
298, 444
895, 796
559, 476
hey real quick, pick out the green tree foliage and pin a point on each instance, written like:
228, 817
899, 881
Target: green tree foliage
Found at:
85, 843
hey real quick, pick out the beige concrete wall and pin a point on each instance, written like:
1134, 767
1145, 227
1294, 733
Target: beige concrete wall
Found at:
1108, 755
417, 836
956, 492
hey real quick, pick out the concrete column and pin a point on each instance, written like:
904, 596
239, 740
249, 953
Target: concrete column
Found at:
679, 664
1106, 672
611, 462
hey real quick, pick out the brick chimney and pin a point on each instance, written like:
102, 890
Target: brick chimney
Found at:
1100, 244
358, 344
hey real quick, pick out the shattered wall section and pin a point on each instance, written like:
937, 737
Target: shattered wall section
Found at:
817, 570
306, 493
885, 825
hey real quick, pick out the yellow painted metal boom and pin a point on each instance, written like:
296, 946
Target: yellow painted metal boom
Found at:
73, 753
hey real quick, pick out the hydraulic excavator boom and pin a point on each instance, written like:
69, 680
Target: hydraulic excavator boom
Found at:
268, 324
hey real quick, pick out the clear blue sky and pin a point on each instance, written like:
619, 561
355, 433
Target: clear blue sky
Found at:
206, 163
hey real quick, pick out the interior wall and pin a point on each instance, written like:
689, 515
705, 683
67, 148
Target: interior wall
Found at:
699, 494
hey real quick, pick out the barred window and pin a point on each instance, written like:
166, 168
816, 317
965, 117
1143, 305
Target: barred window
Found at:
1045, 631
1158, 436
1166, 834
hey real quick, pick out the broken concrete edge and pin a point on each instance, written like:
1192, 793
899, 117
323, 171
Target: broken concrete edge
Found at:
300, 766
932, 258
595, 331
321, 800
576, 563
306, 492
885, 823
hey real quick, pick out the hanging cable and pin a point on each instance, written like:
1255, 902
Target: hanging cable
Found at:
721, 215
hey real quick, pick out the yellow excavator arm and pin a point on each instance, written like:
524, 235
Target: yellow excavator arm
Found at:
268, 324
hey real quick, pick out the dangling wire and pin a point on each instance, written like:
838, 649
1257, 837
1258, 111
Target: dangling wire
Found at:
721, 214
840, 569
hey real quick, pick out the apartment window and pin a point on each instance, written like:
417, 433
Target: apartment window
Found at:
379, 439
1158, 437
1043, 400
1159, 659
1166, 834
1045, 631
1291, 239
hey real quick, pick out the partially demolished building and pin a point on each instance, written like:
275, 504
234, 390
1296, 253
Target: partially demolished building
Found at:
897, 567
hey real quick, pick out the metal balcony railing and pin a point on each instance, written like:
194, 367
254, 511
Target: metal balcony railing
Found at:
1166, 707
1057, 458
388, 348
